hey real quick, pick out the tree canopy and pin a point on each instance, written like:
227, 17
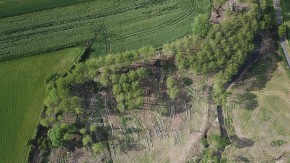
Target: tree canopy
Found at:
87, 140
56, 134
97, 147
201, 25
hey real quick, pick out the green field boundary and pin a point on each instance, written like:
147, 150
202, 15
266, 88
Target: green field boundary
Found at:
10, 8
62, 71
10, 67
65, 68
128, 27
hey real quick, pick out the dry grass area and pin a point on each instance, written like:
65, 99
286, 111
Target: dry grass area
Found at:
78, 155
160, 133
254, 130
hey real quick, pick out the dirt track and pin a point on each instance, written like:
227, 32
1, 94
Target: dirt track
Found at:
195, 137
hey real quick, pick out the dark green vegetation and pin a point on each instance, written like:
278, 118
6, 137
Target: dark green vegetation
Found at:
56, 135
17, 7
79, 105
225, 47
80, 99
172, 88
113, 25
201, 25
278, 143
282, 30
62, 99
22, 89
127, 89
286, 15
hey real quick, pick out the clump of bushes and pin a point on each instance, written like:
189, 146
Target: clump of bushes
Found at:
278, 143
172, 88
127, 89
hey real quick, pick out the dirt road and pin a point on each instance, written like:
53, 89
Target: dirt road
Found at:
194, 139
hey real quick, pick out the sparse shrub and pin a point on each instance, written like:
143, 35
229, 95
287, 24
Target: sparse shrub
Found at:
282, 29
97, 147
222, 142
278, 143
172, 89
204, 142
83, 131
93, 127
87, 140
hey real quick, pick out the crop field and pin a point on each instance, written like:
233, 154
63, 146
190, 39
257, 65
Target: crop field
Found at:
263, 132
114, 25
22, 87
16, 7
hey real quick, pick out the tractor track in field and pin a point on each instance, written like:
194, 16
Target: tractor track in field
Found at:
284, 74
52, 26
79, 28
171, 22
33, 34
265, 104
80, 21
281, 84
11, 68
80, 25
194, 138
276, 94
100, 14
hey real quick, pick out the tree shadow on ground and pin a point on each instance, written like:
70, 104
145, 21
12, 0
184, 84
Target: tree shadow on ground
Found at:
255, 79
260, 73
242, 142
248, 100
136, 147
262, 70
242, 159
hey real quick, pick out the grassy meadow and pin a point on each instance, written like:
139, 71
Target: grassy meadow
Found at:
22, 88
115, 26
258, 127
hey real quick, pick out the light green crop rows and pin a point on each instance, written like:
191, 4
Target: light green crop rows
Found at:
115, 26
17, 7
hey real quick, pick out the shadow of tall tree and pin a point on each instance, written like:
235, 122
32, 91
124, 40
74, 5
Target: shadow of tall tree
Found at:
242, 142
257, 75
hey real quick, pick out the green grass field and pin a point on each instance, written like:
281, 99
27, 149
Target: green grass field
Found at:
22, 88
115, 26
17, 7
